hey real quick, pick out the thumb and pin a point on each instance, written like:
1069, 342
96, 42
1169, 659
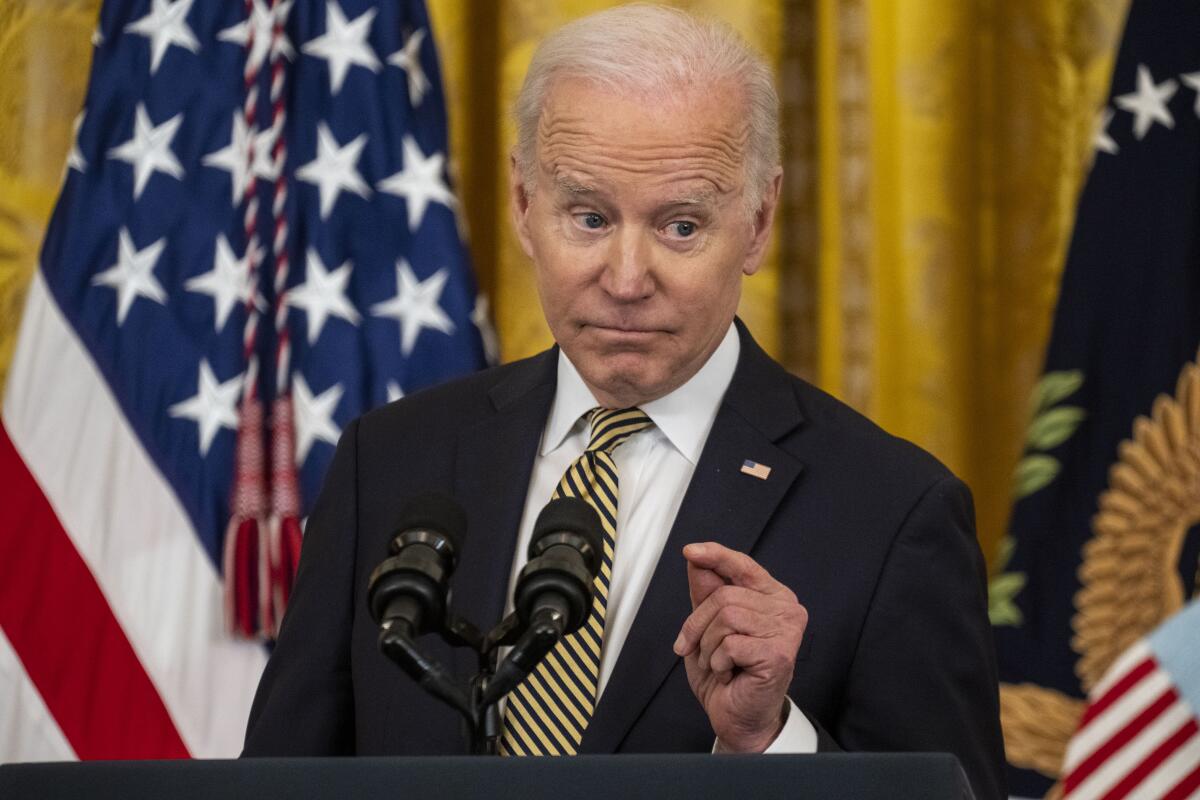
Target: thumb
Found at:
701, 583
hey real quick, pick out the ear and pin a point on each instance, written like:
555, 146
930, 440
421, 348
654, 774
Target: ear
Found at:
518, 204
762, 223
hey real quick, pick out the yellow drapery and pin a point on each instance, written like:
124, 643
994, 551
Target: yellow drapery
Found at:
45, 53
934, 150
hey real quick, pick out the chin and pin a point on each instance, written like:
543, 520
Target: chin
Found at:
625, 387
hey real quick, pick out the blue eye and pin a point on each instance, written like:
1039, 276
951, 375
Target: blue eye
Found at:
683, 229
592, 221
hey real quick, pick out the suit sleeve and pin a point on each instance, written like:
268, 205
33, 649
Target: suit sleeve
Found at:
924, 673
305, 704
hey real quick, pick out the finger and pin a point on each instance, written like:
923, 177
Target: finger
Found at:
738, 568
733, 620
701, 583
697, 675
739, 652
694, 626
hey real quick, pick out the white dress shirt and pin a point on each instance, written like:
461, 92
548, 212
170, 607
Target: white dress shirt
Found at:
654, 469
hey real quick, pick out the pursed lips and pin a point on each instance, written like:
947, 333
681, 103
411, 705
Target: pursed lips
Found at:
622, 329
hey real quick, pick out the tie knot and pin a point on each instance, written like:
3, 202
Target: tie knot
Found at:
611, 427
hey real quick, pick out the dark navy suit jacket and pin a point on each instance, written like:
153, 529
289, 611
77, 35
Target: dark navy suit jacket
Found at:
874, 536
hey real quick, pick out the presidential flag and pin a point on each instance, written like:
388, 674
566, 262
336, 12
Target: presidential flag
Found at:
256, 241
1103, 544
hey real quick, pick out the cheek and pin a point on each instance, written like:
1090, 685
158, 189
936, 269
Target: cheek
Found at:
561, 285
704, 290
562, 269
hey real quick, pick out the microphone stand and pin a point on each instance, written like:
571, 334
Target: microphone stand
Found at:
477, 701
407, 595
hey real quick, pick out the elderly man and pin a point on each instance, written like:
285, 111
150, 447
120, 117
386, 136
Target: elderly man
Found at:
780, 575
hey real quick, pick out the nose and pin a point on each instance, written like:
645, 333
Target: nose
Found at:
628, 274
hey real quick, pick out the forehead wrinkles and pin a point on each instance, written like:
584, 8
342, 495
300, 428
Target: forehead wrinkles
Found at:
576, 143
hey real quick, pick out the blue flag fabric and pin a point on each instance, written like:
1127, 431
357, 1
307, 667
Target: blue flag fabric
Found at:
146, 251
1099, 527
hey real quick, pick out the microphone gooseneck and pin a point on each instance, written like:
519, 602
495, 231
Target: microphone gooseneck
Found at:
554, 591
407, 591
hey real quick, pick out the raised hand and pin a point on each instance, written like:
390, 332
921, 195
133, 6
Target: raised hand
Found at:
739, 645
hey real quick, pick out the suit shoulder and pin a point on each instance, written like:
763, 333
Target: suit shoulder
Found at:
860, 442
468, 397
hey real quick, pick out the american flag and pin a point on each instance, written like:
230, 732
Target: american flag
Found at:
256, 214
1140, 734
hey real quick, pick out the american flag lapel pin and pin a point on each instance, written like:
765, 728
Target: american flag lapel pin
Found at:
760, 471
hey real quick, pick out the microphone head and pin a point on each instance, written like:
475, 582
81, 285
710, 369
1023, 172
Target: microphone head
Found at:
436, 512
569, 515
411, 584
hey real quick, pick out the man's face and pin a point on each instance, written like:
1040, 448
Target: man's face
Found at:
638, 230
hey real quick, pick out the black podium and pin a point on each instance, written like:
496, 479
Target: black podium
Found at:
915, 776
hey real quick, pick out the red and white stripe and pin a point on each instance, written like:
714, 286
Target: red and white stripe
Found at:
113, 640
1138, 736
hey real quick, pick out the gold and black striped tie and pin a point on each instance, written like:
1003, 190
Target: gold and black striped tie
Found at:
548, 713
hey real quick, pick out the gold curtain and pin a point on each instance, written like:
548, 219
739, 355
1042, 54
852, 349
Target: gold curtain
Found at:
934, 150
45, 53
940, 146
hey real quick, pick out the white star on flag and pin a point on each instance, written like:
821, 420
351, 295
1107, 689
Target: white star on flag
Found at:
408, 58
165, 25
481, 317
133, 274
264, 165
149, 150
415, 305
233, 157
1149, 103
419, 182
227, 283
334, 169
264, 154
262, 21
1192, 79
212, 407
394, 392
322, 293
75, 159
313, 416
343, 44
1102, 140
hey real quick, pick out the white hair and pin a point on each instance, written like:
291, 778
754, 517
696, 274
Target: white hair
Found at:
651, 48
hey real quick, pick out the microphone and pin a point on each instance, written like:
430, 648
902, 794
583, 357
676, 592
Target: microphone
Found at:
554, 591
407, 591
564, 557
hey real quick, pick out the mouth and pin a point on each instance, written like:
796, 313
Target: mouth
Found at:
620, 329
625, 335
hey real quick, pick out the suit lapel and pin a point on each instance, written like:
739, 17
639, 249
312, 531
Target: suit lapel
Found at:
722, 504
492, 468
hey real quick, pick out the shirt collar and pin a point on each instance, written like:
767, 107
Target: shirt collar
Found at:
684, 416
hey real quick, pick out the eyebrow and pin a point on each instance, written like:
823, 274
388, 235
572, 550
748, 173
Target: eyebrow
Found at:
571, 186
701, 197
